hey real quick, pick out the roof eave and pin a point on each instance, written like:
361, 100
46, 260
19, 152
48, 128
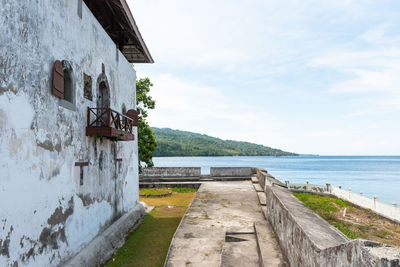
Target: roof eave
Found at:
132, 21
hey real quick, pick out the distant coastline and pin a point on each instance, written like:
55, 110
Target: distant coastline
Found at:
371, 175
176, 143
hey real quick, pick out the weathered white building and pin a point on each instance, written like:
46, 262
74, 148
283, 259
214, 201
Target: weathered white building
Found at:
69, 162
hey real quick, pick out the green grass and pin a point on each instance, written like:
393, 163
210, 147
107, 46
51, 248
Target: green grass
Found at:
346, 228
183, 189
321, 203
160, 191
176, 199
327, 207
368, 225
148, 245
154, 191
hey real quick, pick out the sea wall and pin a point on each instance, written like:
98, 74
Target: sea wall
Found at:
391, 212
171, 172
308, 240
231, 171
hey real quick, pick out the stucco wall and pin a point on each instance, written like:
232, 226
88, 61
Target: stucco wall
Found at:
46, 216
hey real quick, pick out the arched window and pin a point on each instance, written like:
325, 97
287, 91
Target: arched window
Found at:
103, 92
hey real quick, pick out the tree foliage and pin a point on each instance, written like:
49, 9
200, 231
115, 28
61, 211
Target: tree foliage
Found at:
146, 140
181, 143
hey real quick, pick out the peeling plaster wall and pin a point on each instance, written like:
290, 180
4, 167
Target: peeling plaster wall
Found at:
46, 216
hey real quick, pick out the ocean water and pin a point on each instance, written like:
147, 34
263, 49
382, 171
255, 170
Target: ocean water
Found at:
373, 175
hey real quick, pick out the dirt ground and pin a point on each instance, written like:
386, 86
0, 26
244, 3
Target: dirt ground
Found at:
370, 225
176, 199
353, 221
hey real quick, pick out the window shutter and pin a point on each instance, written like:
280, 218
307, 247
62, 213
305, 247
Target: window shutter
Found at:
133, 114
58, 80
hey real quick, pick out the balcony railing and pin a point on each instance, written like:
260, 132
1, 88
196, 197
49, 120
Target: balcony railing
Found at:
105, 122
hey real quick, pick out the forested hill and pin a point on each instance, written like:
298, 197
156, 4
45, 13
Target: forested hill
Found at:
181, 143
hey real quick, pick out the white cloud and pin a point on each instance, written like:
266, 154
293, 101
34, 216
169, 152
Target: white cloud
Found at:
307, 76
188, 106
330, 133
373, 82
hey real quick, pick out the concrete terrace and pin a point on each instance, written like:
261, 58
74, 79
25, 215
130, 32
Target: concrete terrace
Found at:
246, 217
218, 228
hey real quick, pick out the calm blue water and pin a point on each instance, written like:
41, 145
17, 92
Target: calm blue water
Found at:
372, 175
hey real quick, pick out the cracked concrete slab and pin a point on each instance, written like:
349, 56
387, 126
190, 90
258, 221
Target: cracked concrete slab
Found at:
218, 208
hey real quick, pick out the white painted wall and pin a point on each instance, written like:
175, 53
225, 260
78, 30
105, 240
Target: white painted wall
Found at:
46, 216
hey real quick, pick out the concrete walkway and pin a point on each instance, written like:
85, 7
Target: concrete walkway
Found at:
219, 229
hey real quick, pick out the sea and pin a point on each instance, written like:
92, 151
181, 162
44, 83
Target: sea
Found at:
372, 175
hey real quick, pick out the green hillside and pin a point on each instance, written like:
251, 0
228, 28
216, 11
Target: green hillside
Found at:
181, 143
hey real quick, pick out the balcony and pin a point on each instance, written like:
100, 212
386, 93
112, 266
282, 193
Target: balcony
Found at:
105, 122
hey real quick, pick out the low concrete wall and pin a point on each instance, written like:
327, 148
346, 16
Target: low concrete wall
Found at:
260, 174
308, 240
388, 211
194, 185
232, 171
171, 172
265, 178
307, 187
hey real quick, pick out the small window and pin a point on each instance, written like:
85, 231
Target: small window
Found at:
68, 88
87, 87
58, 80
63, 84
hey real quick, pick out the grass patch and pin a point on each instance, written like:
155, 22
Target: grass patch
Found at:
357, 222
148, 245
154, 191
183, 189
176, 199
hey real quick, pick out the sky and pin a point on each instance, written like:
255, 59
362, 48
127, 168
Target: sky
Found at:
311, 77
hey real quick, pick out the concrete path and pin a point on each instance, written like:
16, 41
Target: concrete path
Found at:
218, 228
